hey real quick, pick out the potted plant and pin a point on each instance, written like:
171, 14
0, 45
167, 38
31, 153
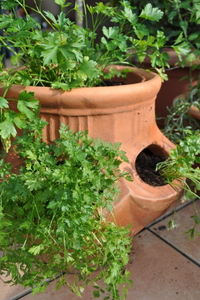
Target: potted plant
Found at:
68, 72
180, 20
51, 217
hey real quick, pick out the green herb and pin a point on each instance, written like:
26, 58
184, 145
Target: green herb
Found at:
180, 22
180, 166
52, 214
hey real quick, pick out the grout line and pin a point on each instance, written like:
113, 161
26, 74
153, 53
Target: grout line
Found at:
175, 248
29, 291
171, 212
21, 295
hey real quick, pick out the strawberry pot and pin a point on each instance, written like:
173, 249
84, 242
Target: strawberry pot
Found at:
123, 113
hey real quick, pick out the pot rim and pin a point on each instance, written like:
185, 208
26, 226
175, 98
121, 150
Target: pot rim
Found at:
96, 97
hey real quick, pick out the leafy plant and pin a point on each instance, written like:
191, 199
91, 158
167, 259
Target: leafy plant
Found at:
52, 214
181, 18
67, 56
181, 166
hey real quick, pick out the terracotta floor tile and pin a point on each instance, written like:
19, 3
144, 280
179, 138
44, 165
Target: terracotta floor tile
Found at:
176, 237
7, 291
160, 273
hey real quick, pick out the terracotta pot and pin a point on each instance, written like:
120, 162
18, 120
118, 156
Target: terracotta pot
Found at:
124, 114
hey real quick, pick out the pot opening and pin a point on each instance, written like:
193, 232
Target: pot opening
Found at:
146, 162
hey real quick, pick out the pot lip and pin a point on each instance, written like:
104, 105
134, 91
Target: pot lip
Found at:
98, 98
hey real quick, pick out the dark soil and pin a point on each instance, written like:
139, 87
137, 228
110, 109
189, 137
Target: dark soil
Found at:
112, 83
146, 168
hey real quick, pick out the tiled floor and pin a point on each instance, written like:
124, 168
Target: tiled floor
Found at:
164, 265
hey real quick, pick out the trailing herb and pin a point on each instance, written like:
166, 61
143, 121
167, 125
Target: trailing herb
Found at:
52, 214
183, 166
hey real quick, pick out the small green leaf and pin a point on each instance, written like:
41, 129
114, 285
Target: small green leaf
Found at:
184, 25
172, 224
50, 16
141, 30
179, 39
7, 128
182, 49
87, 69
39, 289
130, 16
19, 121
33, 184
109, 207
96, 294
191, 233
60, 2
196, 219
151, 13
36, 249
193, 36
50, 55
110, 32
22, 107
52, 205
3, 103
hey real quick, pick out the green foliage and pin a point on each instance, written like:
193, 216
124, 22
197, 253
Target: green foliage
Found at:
180, 166
151, 13
181, 18
51, 214
68, 56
